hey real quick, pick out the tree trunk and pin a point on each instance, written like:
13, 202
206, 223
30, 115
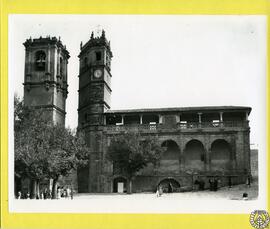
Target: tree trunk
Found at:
37, 190
54, 188
129, 186
17, 185
33, 193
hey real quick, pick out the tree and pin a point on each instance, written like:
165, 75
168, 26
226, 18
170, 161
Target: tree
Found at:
30, 128
67, 152
42, 149
130, 153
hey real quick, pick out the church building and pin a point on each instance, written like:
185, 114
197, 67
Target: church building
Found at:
201, 142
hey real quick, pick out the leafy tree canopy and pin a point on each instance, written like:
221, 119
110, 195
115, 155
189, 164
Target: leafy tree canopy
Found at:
42, 149
131, 152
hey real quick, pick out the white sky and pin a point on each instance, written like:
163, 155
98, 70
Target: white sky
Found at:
162, 61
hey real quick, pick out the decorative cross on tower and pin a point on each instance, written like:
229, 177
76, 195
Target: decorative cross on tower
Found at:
98, 31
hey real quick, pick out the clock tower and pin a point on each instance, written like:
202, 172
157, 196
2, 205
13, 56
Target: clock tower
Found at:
94, 81
94, 101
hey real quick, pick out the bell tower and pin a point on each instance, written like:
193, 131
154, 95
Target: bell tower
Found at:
94, 101
45, 81
94, 80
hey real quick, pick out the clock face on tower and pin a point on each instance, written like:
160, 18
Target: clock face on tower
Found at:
97, 73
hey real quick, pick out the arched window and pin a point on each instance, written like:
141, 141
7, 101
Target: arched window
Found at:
169, 185
194, 155
98, 56
40, 60
170, 160
221, 155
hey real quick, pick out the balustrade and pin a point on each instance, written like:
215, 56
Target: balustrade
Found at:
182, 126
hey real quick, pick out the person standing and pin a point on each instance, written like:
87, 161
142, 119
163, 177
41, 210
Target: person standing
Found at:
58, 193
230, 182
71, 193
19, 195
68, 193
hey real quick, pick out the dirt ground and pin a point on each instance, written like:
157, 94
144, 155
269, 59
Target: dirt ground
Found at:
233, 193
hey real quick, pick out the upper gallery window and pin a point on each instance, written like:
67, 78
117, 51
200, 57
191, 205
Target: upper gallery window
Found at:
40, 60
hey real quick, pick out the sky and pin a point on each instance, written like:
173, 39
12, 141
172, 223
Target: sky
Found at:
161, 61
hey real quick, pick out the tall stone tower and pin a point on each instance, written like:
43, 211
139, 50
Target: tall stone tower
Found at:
45, 81
94, 100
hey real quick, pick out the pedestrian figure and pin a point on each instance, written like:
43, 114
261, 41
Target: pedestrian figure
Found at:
61, 192
170, 188
215, 185
19, 195
230, 182
245, 196
68, 193
28, 195
46, 194
71, 193
58, 193
201, 185
65, 193
248, 181
197, 184
159, 191
211, 182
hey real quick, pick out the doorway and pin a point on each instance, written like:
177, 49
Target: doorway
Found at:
120, 185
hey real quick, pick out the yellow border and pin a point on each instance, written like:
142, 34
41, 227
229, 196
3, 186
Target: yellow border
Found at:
100, 221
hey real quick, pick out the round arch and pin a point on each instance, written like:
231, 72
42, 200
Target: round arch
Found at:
119, 184
170, 159
221, 155
169, 185
40, 60
194, 155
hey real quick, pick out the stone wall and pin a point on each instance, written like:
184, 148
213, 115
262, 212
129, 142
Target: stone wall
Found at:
254, 163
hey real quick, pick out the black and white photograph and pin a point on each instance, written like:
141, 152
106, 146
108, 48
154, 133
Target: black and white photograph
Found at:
137, 113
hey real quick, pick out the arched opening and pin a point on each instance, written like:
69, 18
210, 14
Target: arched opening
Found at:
40, 60
120, 185
98, 55
169, 185
221, 155
170, 157
194, 155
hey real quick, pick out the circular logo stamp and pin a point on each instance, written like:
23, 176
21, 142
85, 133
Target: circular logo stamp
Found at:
259, 219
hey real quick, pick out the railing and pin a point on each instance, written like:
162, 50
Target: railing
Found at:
197, 125
133, 127
178, 126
